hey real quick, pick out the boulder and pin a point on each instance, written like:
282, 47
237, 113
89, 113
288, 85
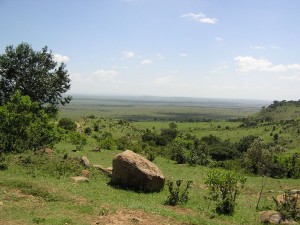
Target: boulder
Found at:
270, 216
85, 161
79, 179
134, 171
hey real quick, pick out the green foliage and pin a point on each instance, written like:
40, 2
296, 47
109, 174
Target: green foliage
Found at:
33, 73
87, 130
25, 126
199, 154
288, 207
67, 124
224, 188
106, 141
178, 196
220, 150
179, 151
77, 139
245, 143
3, 164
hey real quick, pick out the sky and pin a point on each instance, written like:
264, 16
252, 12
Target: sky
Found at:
238, 49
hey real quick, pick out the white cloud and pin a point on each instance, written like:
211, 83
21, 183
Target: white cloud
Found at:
183, 54
128, 54
275, 47
291, 78
61, 58
163, 80
159, 56
219, 39
248, 63
202, 18
105, 75
258, 47
146, 61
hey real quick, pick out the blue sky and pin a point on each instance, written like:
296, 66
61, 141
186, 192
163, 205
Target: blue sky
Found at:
242, 49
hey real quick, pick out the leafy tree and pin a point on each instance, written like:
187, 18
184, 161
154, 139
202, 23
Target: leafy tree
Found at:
25, 126
257, 158
245, 143
33, 73
199, 154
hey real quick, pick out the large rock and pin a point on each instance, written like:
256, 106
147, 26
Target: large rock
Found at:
270, 216
134, 171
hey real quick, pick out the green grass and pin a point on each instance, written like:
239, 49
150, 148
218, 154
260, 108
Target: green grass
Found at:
37, 194
48, 200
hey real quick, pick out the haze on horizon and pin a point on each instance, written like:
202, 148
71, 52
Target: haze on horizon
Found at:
192, 48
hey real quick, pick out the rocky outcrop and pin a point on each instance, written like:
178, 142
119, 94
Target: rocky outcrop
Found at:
85, 162
134, 171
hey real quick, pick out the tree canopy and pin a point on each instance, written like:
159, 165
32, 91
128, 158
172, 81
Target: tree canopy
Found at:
33, 73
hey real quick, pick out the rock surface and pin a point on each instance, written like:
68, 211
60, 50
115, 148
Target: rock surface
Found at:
270, 216
85, 161
79, 179
107, 171
134, 171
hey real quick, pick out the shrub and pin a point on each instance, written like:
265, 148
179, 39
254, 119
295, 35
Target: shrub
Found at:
288, 206
176, 196
77, 139
224, 188
24, 125
178, 149
106, 141
67, 124
87, 130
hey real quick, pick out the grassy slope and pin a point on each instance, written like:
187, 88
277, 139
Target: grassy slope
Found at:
27, 197
27, 200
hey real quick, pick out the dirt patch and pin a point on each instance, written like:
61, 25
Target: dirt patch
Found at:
133, 217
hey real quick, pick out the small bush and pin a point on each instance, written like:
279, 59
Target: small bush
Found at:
288, 206
87, 130
176, 196
224, 188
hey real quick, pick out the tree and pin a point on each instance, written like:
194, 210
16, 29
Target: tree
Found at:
25, 126
33, 73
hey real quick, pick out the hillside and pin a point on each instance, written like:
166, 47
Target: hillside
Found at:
280, 112
35, 186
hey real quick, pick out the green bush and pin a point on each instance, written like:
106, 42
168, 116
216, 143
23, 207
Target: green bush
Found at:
67, 124
24, 125
224, 188
176, 195
77, 139
87, 130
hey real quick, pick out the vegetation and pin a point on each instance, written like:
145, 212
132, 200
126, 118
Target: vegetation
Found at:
33, 73
176, 195
224, 188
25, 126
